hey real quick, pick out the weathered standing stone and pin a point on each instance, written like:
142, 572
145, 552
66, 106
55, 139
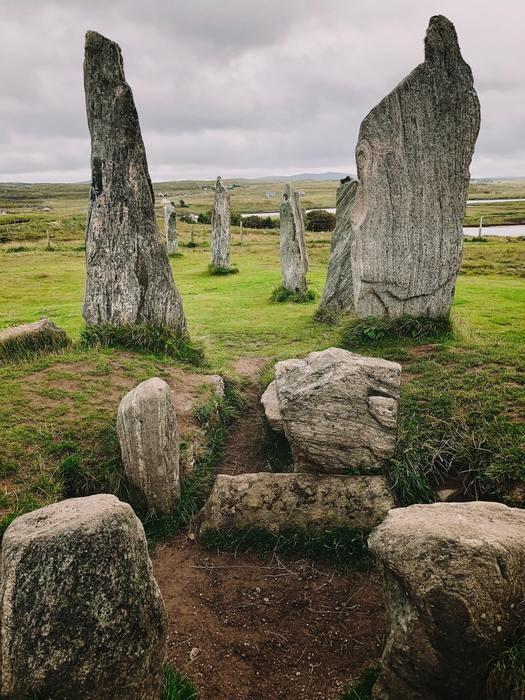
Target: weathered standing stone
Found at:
313, 502
413, 158
170, 228
454, 576
129, 279
81, 614
147, 430
339, 410
220, 228
270, 402
338, 293
294, 258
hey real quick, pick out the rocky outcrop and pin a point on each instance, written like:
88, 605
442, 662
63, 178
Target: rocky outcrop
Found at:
81, 614
294, 258
413, 157
129, 279
338, 293
277, 502
454, 576
170, 228
147, 431
35, 337
270, 402
220, 228
339, 410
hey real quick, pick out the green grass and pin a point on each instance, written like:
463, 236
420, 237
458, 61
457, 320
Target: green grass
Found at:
283, 295
343, 548
378, 331
214, 270
159, 340
177, 686
362, 690
19, 348
507, 673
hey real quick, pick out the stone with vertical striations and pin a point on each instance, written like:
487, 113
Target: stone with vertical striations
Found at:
147, 431
81, 614
170, 228
339, 410
129, 279
220, 228
454, 581
413, 157
338, 293
294, 258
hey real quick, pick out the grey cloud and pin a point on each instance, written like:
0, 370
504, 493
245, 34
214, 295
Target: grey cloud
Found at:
240, 87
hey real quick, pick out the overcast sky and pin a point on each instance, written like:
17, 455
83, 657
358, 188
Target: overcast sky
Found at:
245, 87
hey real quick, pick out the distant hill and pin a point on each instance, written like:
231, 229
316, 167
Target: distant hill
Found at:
303, 176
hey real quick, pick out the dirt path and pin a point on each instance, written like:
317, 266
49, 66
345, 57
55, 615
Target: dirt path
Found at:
243, 450
254, 628
247, 627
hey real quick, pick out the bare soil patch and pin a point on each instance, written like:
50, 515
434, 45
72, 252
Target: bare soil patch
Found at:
257, 628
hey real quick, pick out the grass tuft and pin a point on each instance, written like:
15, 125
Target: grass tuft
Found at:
344, 548
213, 270
177, 686
362, 690
506, 677
376, 331
160, 340
281, 295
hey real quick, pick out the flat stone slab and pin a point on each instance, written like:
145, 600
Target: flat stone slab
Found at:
276, 502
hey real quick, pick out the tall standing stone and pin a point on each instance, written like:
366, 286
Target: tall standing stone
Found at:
81, 614
147, 431
294, 258
129, 279
170, 228
220, 228
413, 158
338, 293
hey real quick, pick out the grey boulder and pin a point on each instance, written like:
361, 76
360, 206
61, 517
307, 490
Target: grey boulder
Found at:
220, 228
270, 403
276, 502
31, 337
454, 579
413, 157
339, 410
147, 431
81, 614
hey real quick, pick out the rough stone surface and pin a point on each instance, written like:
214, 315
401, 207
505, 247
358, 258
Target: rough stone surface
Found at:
339, 410
147, 430
220, 227
454, 577
218, 384
294, 258
338, 293
272, 411
81, 614
413, 157
129, 279
170, 228
40, 333
276, 502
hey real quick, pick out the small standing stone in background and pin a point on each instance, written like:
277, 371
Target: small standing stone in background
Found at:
454, 581
339, 410
294, 258
220, 228
147, 431
170, 228
413, 157
129, 279
338, 293
82, 615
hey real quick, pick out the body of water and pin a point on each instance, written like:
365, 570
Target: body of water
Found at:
513, 231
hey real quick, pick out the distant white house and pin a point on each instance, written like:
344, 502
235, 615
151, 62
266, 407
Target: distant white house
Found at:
269, 195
